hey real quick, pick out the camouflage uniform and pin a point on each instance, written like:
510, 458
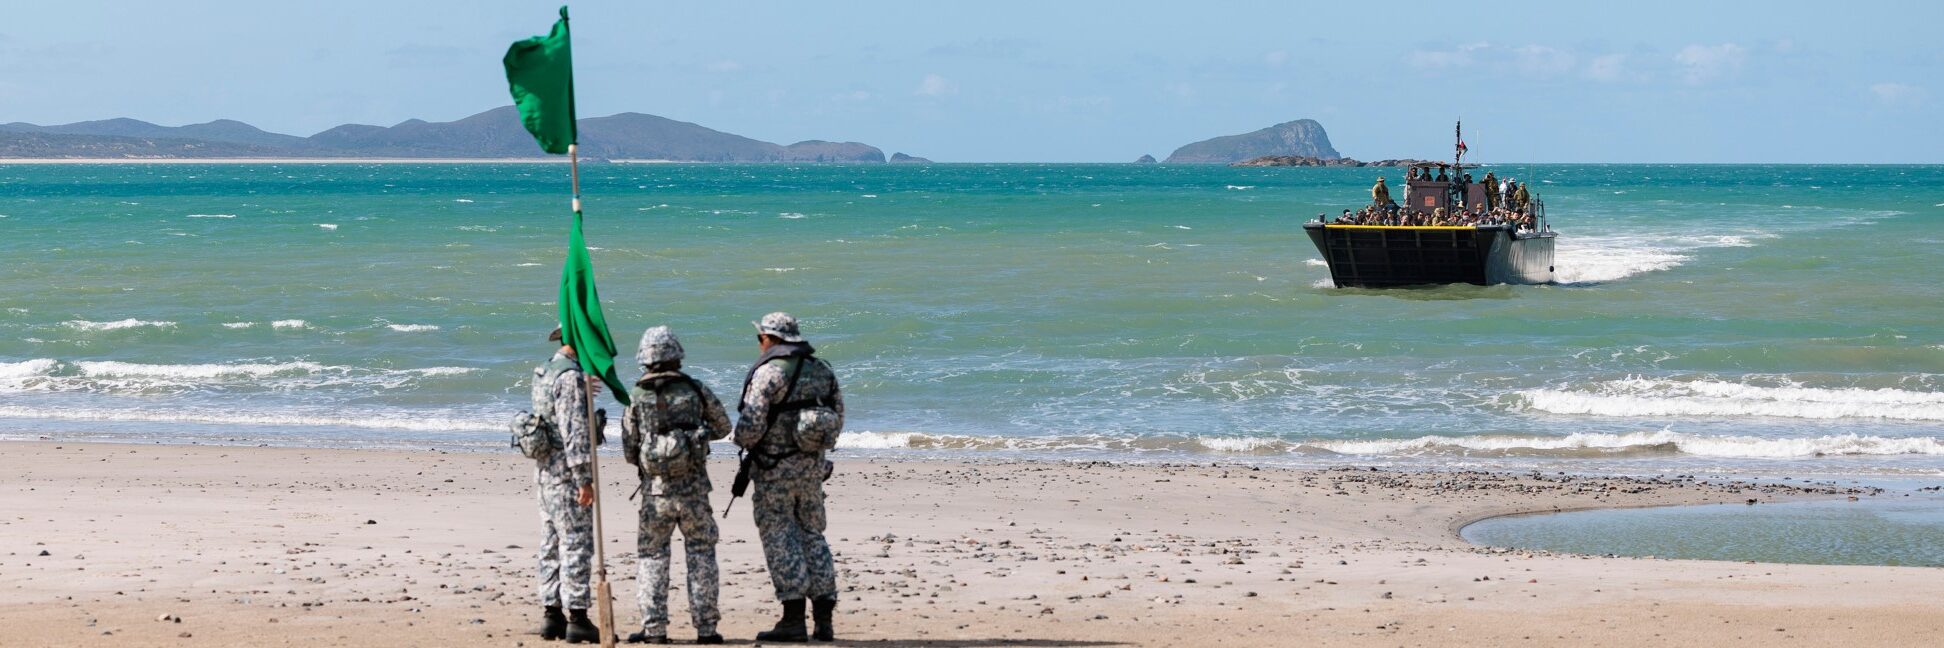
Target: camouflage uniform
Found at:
567, 546
667, 401
789, 497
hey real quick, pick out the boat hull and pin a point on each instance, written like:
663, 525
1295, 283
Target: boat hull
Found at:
1368, 256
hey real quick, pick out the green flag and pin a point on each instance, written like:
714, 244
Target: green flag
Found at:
541, 73
582, 325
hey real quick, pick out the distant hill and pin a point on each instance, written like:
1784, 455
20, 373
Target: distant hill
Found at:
900, 158
1301, 138
495, 133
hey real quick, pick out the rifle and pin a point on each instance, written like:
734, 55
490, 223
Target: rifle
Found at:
743, 464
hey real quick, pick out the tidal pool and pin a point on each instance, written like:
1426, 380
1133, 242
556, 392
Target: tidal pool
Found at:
1884, 530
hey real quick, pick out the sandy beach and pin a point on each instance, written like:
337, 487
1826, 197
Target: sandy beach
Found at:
112, 544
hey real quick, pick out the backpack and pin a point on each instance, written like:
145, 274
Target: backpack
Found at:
818, 422
534, 433
678, 448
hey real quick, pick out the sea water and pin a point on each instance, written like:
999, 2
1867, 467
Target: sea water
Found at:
1750, 319
1884, 530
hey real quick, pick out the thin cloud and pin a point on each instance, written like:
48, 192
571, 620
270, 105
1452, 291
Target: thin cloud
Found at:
936, 86
1705, 63
1896, 94
1608, 68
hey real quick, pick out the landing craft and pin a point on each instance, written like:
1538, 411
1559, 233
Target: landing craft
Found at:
1504, 247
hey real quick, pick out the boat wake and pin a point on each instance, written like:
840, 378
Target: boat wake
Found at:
1597, 259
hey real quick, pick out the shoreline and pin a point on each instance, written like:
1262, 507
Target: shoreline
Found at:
250, 546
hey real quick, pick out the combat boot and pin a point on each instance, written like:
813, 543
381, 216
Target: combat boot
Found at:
821, 609
644, 638
553, 624
790, 628
711, 638
581, 630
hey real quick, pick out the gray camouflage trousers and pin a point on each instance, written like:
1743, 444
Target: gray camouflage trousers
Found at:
790, 519
661, 515
566, 548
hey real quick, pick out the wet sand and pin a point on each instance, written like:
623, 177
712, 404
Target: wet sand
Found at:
158, 545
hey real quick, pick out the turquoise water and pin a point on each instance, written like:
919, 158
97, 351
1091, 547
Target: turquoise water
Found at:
1875, 531
1765, 319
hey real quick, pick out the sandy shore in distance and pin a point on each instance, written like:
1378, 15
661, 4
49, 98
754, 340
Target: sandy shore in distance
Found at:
262, 546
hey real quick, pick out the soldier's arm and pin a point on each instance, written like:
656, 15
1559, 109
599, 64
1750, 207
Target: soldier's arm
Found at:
713, 416
836, 396
764, 388
630, 437
570, 407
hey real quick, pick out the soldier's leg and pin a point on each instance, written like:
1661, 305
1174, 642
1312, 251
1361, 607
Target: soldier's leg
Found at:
776, 524
549, 557
577, 553
652, 569
699, 547
820, 571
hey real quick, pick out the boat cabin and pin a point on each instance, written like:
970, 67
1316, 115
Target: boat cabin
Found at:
1429, 187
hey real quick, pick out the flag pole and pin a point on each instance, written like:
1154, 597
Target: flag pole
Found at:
602, 590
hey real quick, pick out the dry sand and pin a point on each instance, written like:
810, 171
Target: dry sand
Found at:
266, 547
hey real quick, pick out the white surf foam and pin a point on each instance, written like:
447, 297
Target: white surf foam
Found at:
118, 377
412, 328
1575, 445
238, 325
85, 325
27, 368
211, 216
115, 369
328, 227
1240, 187
1688, 444
372, 420
790, 215
290, 324
1316, 263
1714, 398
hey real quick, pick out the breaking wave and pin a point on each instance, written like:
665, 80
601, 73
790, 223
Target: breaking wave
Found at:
85, 325
1581, 445
371, 420
131, 378
1714, 398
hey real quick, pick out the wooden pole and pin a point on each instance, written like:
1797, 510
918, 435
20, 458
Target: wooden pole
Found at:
603, 592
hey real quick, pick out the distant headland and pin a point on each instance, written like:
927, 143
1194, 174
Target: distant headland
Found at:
492, 134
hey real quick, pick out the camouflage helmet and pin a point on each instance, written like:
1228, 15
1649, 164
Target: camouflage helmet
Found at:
781, 326
659, 346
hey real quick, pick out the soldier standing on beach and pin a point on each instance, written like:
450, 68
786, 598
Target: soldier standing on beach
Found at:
566, 493
788, 393
666, 434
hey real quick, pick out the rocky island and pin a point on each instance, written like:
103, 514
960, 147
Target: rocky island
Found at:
1303, 137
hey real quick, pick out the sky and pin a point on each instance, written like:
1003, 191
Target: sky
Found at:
1043, 81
